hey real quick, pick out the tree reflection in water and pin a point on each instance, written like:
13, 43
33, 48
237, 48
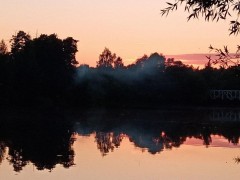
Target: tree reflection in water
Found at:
156, 131
164, 135
2, 151
46, 138
107, 141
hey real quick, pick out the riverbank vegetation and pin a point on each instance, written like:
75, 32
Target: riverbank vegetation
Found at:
44, 71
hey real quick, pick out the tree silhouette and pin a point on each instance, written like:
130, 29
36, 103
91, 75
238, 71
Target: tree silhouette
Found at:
39, 67
19, 42
140, 61
70, 50
5, 70
169, 62
106, 59
154, 62
224, 58
54, 62
118, 63
213, 10
210, 9
4, 57
3, 48
43, 71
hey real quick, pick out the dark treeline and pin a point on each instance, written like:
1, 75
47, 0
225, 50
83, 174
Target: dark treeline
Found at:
44, 71
36, 70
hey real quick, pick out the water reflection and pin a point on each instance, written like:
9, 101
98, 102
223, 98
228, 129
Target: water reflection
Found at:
163, 135
46, 138
156, 131
40, 138
108, 141
2, 151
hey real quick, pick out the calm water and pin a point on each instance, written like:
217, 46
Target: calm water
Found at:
120, 144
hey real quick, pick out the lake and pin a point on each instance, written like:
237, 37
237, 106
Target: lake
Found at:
189, 143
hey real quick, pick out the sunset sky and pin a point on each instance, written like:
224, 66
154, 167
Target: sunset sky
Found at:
130, 28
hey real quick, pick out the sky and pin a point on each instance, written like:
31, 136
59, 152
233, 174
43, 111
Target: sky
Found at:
129, 28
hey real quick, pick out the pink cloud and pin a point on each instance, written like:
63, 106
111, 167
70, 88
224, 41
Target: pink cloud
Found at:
197, 60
